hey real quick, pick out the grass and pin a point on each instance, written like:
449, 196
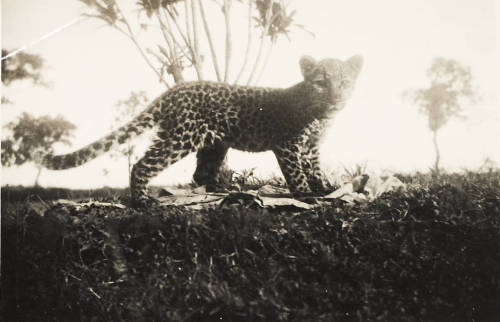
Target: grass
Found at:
20, 194
430, 253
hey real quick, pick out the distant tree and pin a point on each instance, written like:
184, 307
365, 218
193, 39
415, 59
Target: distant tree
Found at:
24, 140
21, 66
450, 88
30, 136
126, 109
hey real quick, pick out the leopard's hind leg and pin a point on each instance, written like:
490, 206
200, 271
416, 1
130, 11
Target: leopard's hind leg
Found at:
168, 148
209, 161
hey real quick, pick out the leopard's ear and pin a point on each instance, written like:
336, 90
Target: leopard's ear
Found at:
307, 64
356, 63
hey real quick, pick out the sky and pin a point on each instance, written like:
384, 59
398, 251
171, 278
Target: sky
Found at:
92, 66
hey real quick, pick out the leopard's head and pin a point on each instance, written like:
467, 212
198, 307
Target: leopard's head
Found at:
330, 81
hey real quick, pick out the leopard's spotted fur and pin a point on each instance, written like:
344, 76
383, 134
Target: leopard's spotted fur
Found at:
211, 117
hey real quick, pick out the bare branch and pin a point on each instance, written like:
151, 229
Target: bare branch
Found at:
188, 25
266, 60
196, 41
227, 19
160, 59
261, 45
183, 36
210, 42
163, 28
136, 43
177, 44
174, 65
249, 42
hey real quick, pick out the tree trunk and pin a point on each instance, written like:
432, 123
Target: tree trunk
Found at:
129, 165
436, 149
176, 71
38, 176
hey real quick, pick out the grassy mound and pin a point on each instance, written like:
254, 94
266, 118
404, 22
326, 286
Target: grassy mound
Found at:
431, 253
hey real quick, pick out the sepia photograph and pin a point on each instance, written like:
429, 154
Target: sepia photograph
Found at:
250, 160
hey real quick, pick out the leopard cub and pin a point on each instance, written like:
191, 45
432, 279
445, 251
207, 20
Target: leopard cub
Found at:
210, 117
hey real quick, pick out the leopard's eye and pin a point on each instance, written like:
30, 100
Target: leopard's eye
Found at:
321, 82
344, 82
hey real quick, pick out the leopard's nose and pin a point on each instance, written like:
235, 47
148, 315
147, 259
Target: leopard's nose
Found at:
334, 97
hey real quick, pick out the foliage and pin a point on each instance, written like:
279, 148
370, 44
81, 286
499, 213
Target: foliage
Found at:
178, 22
431, 253
31, 136
450, 87
245, 180
279, 21
19, 67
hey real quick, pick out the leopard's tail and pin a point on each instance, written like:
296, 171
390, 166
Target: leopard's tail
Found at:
147, 119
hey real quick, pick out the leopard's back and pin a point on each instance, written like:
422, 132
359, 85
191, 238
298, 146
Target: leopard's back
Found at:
250, 119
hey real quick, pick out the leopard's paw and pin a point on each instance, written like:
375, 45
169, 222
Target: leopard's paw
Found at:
145, 202
322, 187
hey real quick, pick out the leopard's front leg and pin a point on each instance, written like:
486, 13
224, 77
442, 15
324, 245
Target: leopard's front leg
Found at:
318, 181
288, 156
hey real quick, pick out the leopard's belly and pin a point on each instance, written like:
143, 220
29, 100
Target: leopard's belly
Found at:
260, 133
